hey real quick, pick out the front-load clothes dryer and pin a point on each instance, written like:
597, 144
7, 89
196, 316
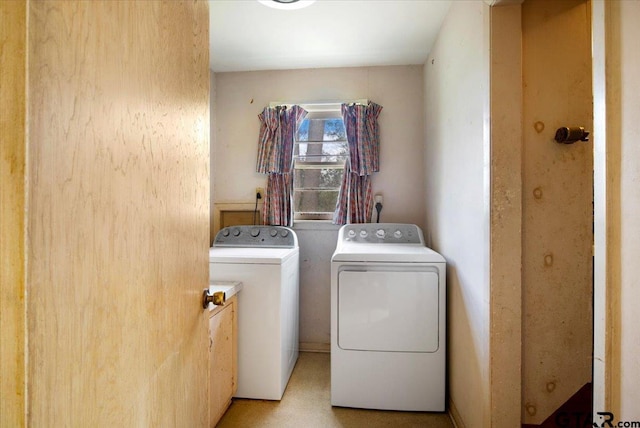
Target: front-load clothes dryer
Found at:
387, 319
266, 260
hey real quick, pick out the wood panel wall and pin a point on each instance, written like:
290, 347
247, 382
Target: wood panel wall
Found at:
506, 215
118, 202
557, 208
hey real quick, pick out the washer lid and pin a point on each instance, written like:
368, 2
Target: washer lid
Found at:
251, 255
386, 253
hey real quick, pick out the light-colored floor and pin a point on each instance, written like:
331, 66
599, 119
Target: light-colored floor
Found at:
307, 403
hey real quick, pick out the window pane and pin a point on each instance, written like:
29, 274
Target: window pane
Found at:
334, 130
303, 131
320, 178
321, 151
314, 201
321, 130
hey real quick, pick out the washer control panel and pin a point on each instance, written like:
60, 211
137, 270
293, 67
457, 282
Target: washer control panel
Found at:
381, 233
256, 236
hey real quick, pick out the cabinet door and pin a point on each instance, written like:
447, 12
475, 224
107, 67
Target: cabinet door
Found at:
223, 357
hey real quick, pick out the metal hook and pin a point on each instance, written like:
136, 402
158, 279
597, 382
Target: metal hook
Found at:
569, 135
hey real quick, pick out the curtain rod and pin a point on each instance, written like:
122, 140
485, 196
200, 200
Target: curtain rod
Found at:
363, 101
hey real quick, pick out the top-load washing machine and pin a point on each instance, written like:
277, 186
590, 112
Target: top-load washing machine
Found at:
387, 319
266, 260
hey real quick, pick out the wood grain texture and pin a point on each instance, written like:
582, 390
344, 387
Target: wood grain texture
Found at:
223, 358
236, 218
13, 33
118, 223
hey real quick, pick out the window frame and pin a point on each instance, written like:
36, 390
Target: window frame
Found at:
318, 111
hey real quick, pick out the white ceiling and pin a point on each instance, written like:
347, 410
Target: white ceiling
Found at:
246, 35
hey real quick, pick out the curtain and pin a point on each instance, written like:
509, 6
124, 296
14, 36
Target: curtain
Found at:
355, 199
275, 158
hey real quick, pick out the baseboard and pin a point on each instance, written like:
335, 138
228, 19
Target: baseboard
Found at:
454, 415
315, 347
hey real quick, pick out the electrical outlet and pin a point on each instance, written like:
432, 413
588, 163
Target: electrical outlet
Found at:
259, 191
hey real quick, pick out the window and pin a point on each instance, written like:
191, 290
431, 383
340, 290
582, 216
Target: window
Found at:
320, 153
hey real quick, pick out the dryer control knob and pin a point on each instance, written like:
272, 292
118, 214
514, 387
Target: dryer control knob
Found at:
363, 233
255, 232
351, 234
284, 233
236, 232
397, 234
273, 233
225, 232
380, 233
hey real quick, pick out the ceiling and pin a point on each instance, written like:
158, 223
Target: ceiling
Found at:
246, 35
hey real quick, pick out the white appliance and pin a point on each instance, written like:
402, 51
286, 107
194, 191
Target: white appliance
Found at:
387, 319
266, 260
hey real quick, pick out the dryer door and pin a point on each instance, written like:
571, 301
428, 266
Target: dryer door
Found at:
394, 311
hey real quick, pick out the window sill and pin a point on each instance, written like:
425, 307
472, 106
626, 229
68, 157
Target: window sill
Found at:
315, 225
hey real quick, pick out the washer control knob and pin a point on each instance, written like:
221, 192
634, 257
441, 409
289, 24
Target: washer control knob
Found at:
284, 233
255, 232
380, 233
363, 233
236, 232
225, 232
351, 233
273, 233
397, 234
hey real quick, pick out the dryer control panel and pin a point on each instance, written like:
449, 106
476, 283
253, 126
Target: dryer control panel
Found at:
256, 236
381, 233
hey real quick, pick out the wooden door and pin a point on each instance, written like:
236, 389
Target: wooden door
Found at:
12, 208
117, 223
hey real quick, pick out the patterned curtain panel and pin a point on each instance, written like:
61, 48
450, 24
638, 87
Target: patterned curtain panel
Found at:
355, 200
275, 157
277, 206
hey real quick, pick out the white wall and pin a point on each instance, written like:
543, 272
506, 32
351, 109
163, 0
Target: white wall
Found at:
317, 244
241, 96
456, 109
630, 210
212, 146
617, 208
